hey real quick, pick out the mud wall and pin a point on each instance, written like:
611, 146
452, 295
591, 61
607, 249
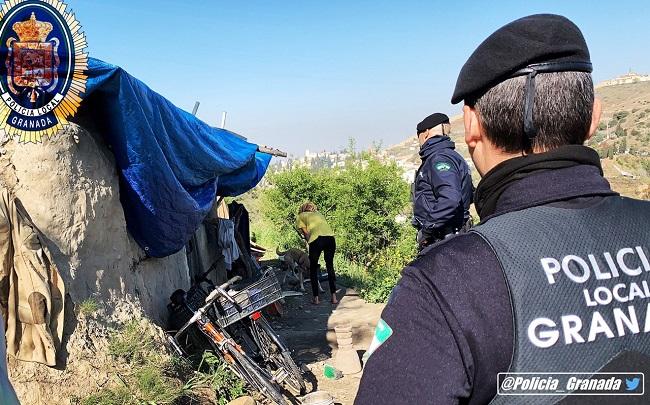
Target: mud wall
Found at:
69, 187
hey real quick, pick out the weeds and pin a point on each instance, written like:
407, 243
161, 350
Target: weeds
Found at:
146, 374
213, 373
88, 306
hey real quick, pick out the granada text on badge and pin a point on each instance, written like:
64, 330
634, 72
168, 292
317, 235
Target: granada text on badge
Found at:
42, 68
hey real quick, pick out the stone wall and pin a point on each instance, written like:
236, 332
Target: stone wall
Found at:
69, 187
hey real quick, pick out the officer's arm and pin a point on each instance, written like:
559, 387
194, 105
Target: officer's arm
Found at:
419, 362
444, 179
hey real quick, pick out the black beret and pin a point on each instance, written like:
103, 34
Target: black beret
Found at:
431, 121
541, 42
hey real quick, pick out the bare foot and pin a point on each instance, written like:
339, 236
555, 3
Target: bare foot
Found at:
334, 300
315, 301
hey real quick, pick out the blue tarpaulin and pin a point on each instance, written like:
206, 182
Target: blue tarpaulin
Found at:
171, 164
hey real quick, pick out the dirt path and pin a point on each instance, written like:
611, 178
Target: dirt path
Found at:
309, 331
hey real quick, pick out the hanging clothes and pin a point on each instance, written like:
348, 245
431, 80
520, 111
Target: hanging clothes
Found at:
31, 289
222, 210
7, 393
239, 214
227, 242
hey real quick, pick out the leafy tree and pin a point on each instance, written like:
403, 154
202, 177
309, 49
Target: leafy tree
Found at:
360, 202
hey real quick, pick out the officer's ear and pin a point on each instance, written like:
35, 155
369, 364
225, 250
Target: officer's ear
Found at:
595, 117
473, 133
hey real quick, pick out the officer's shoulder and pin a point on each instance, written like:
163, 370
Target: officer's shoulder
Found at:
459, 254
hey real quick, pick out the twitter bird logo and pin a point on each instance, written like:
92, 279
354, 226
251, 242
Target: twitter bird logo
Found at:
632, 384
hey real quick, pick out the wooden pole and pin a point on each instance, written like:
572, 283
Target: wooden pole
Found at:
271, 151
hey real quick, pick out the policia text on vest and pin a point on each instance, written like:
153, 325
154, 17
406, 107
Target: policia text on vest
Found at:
628, 268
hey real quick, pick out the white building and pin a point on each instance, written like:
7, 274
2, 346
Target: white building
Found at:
627, 78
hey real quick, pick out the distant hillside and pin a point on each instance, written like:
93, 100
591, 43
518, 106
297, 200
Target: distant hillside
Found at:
622, 139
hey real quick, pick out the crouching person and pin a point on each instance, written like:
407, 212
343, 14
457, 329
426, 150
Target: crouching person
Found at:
314, 228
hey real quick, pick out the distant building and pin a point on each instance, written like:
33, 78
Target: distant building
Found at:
627, 78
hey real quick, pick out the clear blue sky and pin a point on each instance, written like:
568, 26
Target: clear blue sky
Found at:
311, 74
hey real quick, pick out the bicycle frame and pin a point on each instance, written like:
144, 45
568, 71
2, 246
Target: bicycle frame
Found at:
233, 353
255, 324
217, 336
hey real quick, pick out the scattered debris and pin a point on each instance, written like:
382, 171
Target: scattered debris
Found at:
331, 372
318, 398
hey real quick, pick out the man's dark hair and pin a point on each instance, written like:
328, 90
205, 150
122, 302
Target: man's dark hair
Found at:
562, 111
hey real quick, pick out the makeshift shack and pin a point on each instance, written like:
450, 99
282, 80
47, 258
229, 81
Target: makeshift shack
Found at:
98, 218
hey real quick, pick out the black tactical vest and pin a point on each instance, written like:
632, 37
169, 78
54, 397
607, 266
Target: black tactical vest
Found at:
579, 285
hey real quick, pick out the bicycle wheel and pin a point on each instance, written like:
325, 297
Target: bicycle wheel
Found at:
257, 377
281, 356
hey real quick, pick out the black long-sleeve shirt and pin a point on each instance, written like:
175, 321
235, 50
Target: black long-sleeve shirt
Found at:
450, 313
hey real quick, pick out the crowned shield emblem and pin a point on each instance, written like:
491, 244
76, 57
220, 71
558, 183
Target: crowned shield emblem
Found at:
42, 68
32, 61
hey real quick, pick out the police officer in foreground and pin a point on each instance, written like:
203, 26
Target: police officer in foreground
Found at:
517, 292
443, 184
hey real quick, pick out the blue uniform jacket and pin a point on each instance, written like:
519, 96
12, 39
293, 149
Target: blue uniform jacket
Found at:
448, 324
443, 188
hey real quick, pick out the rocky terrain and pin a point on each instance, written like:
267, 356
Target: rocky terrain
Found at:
622, 139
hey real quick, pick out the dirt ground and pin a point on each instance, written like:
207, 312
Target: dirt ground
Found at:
309, 332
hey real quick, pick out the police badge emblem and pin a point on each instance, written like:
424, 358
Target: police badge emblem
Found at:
42, 68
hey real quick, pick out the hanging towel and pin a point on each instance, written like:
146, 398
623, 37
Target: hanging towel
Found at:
227, 242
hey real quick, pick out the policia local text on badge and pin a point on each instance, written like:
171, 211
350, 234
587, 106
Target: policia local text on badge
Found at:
624, 266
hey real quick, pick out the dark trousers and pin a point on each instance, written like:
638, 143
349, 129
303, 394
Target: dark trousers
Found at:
322, 244
469, 223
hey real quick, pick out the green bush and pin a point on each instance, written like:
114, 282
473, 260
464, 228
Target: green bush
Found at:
645, 163
361, 202
621, 114
598, 137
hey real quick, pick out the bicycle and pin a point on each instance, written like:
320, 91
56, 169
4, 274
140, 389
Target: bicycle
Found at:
225, 346
272, 351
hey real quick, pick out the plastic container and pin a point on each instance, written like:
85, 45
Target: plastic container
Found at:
318, 398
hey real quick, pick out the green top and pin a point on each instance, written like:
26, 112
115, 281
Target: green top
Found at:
315, 223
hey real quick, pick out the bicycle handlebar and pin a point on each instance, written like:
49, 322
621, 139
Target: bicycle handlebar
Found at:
219, 291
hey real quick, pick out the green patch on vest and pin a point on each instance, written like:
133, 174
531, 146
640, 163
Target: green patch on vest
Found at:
442, 166
382, 333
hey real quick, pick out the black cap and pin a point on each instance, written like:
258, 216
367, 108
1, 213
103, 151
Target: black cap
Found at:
431, 121
535, 44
